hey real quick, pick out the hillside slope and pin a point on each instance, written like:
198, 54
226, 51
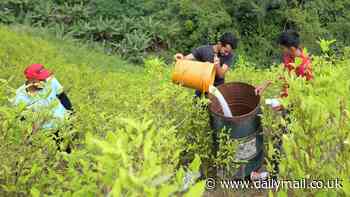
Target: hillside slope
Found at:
136, 109
133, 129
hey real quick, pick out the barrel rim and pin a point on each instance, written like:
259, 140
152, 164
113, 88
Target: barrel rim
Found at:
233, 116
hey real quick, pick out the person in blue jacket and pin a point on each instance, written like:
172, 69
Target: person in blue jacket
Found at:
42, 92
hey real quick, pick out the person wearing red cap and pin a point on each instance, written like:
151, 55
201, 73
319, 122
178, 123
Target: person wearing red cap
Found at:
37, 76
41, 92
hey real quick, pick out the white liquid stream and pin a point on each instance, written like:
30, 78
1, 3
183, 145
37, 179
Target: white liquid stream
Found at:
225, 108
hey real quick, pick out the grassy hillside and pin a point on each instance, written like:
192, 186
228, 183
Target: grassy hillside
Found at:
136, 109
134, 129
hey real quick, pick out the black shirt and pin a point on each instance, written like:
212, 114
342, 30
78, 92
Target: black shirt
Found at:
206, 54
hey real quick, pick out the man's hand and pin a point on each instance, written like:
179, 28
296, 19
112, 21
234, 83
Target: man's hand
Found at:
225, 67
216, 61
179, 56
221, 71
259, 90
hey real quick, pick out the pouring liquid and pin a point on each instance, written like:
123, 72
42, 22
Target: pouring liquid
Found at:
225, 108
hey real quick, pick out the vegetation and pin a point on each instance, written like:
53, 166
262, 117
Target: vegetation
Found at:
126, 144
135, 29
136, 134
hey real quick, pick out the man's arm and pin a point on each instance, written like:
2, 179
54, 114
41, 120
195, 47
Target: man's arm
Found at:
60, 94
221, 71
180, 56
65, 101
260, 89
196, 54
190, 57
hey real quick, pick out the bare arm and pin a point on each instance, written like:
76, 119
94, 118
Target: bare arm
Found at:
190, 57
221, 71
180, 56
259, 90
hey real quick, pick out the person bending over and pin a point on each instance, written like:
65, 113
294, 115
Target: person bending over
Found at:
221, 54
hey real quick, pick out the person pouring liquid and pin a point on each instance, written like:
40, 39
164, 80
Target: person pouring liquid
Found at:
221, 54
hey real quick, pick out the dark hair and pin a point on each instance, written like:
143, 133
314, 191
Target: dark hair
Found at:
229, 38
289, 39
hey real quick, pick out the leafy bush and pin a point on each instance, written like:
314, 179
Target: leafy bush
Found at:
138, 134
136, 29
320, 126
317, 145
126, 144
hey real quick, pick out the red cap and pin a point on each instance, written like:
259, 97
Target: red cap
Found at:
37, 71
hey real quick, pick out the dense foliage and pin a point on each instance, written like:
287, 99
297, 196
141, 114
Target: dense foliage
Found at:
136, 28
318, 140
135, 133
129, 126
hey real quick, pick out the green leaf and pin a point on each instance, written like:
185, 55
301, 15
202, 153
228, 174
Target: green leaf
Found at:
346, 186
325, 194
196, 190
34, 192
325, 44
167, 190
195, 165
117, 188
298, 61
180, 175
281, 193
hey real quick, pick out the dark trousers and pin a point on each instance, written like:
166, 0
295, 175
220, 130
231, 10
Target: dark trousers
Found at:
199, 94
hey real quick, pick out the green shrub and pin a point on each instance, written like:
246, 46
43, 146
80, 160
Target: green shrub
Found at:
137, 133
138, 28
129, 136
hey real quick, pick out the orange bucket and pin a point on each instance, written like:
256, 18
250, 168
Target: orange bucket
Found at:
194, 74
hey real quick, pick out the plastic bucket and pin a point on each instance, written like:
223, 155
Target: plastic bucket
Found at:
194, 74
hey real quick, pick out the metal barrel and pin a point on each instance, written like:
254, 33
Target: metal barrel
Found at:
245, 125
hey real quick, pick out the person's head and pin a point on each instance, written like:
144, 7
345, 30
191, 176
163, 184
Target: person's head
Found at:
227, 43
289, 41
36, 75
